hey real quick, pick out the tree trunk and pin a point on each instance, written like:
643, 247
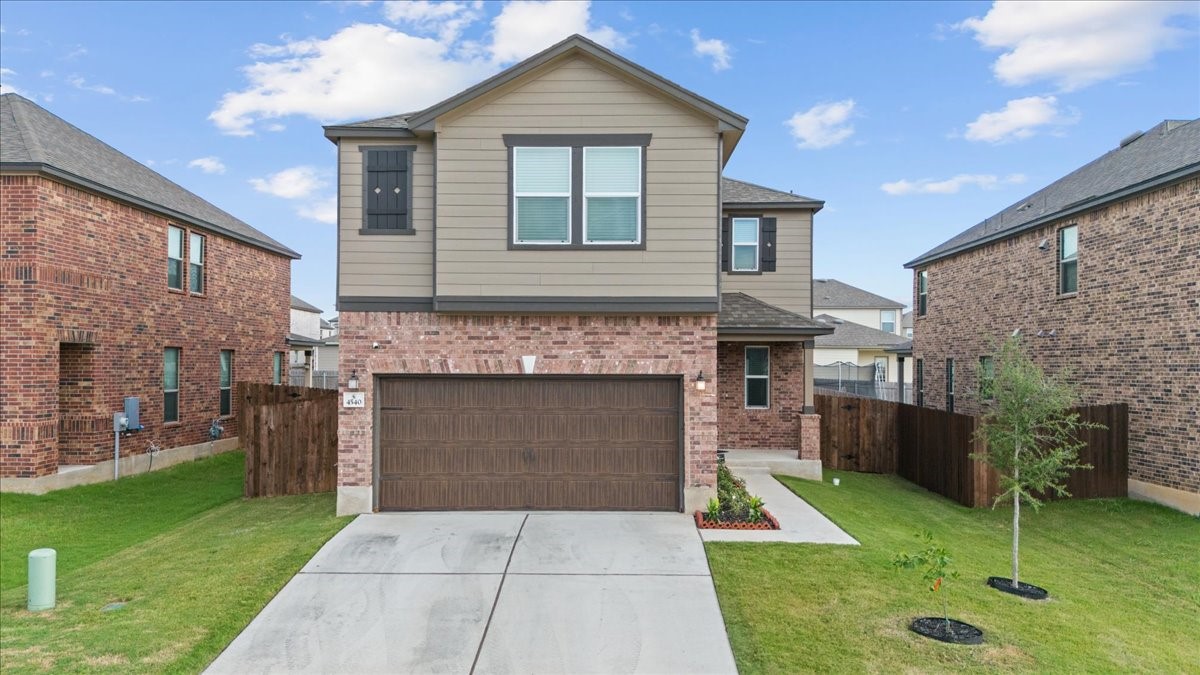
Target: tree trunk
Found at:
1016, 515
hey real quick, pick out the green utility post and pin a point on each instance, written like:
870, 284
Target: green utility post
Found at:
42, 582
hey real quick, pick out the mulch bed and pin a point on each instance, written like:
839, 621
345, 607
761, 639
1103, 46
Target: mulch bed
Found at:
954, 632
1023, 590
767, 523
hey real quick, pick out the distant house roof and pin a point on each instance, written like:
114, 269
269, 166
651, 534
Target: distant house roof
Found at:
302, 340
906, 320
850, 334
902, 349
1167, 153
34, 139
744, 314
297, 303
831, 294
326, 325
732, 123
748, 195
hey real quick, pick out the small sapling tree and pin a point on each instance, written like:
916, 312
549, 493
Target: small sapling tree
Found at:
1033, 440
934, 562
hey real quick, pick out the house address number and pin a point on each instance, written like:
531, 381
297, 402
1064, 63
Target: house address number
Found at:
354, 399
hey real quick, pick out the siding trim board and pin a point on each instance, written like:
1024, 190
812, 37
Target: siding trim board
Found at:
575, 305
384, 304
576, 142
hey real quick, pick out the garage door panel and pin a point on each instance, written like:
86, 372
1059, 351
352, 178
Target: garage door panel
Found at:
510, 443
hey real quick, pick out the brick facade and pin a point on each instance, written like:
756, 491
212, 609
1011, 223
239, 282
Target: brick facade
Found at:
86, 316
773, 428
1131, 334
419, 342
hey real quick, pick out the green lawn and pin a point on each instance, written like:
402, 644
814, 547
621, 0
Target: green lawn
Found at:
192, 572
1124, 578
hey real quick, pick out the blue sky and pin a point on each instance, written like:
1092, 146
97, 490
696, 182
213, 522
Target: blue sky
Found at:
912, 121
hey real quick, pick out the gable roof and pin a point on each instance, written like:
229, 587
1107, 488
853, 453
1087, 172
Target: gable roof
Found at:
831, 293
297, 303
850, 334
748, 195
1168, 152
906, 320
745, 314
34, 139
423, 120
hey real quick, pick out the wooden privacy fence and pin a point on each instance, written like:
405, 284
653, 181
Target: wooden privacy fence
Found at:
289, 435
933, 448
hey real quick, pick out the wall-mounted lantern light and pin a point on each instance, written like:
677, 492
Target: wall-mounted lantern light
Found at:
352, 383
700, 381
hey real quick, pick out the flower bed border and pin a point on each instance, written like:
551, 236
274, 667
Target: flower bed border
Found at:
768, 523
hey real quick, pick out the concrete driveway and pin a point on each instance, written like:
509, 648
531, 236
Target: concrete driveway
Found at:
495, 593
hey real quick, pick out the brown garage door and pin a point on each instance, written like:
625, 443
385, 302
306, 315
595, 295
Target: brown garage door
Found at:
529, 442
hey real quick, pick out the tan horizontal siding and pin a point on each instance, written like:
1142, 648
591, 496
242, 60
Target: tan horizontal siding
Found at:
790, 286
575, 97
398, 266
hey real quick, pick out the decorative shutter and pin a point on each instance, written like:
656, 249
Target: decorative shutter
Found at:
726, 243
767, 247
387, 188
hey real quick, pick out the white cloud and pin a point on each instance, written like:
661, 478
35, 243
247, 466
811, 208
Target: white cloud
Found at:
1074, 44
207, 164
83, 85
1021, 118
715, 49
928, 186
525, 27
322, 211
6, 88
445, 19
823, 125
371, 70
298, 182
7, 71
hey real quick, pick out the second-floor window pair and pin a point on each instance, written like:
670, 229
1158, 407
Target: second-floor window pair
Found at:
546, 194
195, 266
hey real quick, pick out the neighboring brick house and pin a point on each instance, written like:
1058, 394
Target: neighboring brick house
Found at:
865, 341
114, 283
1100, 273
552, 298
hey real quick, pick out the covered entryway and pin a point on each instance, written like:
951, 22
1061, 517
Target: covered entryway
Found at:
529, 442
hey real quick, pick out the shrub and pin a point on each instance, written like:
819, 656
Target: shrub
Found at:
733, 502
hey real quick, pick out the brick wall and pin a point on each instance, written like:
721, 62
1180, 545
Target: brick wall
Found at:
774, 428
83, 278
418, 342
1131, 334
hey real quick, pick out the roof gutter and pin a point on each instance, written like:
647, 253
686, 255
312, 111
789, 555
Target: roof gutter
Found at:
1080, 207
334, 133
814, 205
59, 174
774, 330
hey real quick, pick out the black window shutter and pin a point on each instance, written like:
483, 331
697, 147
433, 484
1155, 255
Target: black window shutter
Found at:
387, 186
768, 247
726, 243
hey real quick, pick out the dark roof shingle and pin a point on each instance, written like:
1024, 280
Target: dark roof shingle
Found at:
1171, 147
735, 191
831, 293
747, 314
850, 334
297, 303
32, 137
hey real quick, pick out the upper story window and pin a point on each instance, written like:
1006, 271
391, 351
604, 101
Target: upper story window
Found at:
196, 263
175, 258
1068, 260
580, 191
745, 245
922, 292
748, 244
542, 195
612, 195
887, 320
387, 189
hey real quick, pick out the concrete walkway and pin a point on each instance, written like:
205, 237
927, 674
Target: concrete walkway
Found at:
798, 521
495, 593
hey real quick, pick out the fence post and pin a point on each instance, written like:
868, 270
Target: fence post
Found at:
981, 472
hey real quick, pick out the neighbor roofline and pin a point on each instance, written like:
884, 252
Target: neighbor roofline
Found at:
54, 172
423, 120
1080, 207
335, 132
813, 205
773, 330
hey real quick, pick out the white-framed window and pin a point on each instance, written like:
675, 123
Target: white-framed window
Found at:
1068, 260
196, 262
541, 195
277, 368
922, 292
758, 377
887, 320
225, 385
881, 364
174, 257
612, 195
171, 384
745, 245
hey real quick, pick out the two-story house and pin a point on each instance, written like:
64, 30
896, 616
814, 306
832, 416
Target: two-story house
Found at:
866, 327
117, 283
1099, 273
550, 298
